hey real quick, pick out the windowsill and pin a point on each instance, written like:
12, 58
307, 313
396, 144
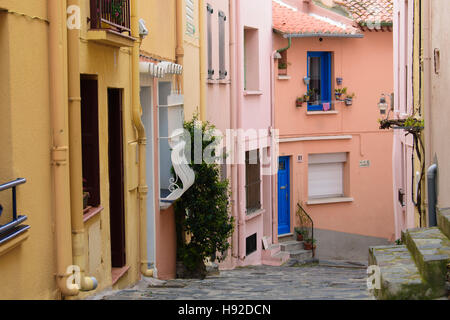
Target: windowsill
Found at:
217, 81
316, 113
91, 212
255, 214
284, 77
14, 242
252, 93
329, 200
164, 205
118, 273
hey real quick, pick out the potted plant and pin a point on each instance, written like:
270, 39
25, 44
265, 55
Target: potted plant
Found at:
349, 99
282, 68
301, 233
339, 93
299, 102
309, 244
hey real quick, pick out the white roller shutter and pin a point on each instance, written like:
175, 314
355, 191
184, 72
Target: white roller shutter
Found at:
326, 175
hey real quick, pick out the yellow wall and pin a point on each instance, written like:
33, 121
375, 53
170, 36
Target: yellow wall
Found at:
27, 272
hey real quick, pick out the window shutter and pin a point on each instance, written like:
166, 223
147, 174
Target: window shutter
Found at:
190, 18
222, 68
325, 180
210, 12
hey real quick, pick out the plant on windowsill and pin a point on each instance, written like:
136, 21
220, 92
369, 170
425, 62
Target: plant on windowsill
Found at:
301, 233
203, 211
282, 68
310, 244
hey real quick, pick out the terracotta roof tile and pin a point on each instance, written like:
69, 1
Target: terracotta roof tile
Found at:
289, 20
366, 12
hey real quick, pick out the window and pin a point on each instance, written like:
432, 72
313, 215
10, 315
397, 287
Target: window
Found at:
90, 143
253, 181
222, 67
319, 73
210, 12
326, 175
251, 59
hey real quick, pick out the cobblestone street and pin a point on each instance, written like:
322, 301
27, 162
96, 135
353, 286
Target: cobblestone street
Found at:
311, 282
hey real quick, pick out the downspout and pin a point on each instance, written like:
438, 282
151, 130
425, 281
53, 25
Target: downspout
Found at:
239, 89
233, 119
288, 47
203, 60
75, 154
180, 48
432, 196
60, 143
142, 140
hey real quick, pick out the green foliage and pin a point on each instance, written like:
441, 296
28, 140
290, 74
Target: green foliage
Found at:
299, 230
311, 241
399, 242
282, 65
204, 210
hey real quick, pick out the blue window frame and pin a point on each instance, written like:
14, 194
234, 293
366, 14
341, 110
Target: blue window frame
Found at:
319, 72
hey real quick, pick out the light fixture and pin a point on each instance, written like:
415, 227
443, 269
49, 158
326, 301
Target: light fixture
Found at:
383, 105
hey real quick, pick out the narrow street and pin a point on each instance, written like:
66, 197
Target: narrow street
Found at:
310, 282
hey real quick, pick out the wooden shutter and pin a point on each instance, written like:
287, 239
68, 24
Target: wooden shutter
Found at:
222, 67
210, 12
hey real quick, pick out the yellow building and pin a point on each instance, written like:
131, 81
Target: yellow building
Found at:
70, 125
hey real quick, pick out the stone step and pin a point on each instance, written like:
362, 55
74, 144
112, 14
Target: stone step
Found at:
430, 249
286, 238
291, 245
444, 221
301, 255
399, 277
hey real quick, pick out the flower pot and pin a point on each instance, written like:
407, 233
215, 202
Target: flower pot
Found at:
348, 102
308, 246
338, 96
299, 104
299, 237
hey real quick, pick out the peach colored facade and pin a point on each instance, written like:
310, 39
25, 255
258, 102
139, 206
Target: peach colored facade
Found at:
365, 215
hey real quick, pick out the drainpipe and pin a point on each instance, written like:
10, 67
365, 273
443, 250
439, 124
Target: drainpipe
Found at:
288, 47
432, 197
75, 154
233, 118
142, 140
180, 48
203, 60
60, 146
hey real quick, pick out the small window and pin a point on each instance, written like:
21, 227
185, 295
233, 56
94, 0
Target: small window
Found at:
253, 181
283, 63
251, 59
326, 175
251, 244
319, 73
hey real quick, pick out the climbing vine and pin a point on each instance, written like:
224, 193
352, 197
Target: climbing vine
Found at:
203, 212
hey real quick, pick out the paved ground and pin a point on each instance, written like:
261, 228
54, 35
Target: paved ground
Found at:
260, 283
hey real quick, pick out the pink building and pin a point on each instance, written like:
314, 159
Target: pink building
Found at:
334, 160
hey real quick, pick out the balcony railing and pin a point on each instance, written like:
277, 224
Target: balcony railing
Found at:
111, 14
14, 227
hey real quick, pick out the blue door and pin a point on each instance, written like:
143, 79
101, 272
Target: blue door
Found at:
284, 195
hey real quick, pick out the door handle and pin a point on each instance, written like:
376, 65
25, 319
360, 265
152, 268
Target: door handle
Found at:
283, 188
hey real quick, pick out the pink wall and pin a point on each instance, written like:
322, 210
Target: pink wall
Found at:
366, 68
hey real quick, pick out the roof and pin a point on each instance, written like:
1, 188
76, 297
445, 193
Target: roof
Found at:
289, 21
369, 12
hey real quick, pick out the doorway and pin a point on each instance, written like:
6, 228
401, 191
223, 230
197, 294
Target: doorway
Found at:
284, 196
116, 178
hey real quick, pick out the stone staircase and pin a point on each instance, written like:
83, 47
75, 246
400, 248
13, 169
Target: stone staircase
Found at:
419, 268
288, 249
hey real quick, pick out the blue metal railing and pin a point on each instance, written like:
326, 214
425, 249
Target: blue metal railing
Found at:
15, 227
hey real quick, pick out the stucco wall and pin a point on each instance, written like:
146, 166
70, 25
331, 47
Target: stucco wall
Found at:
366, 68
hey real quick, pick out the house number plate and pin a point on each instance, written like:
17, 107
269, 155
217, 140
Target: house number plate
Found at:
364, 164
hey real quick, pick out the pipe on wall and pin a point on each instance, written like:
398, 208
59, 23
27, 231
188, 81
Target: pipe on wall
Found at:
60, 143
142, 141
180, 47
233, 120
75, 154
203, 60
432, 195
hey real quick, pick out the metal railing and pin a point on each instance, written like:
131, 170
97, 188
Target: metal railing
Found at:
15, 227
111, 14
306, 223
